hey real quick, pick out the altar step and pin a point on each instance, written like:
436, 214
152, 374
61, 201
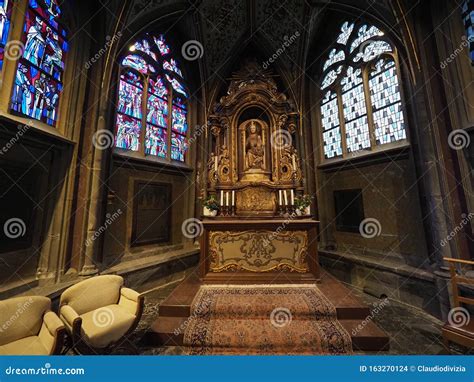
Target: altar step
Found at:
169, 331
174, 312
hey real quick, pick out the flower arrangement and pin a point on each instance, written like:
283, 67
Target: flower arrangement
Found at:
211, 203
302, 203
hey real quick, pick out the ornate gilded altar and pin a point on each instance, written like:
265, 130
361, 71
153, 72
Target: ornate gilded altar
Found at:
255, 173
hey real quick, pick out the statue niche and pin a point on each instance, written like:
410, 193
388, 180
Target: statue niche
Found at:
254, 158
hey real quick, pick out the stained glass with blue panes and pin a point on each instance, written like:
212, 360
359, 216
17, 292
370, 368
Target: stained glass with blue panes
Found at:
5, 16
39, 77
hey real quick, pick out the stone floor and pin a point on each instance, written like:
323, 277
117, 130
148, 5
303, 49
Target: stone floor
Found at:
411, 330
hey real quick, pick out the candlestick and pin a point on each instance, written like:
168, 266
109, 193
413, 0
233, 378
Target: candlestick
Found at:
280, 197
292, 197
286, 197
233, 198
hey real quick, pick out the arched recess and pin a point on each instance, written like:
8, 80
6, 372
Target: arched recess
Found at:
104, 194
357, 94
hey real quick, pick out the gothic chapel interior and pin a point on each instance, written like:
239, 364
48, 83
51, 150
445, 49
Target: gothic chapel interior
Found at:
237, 177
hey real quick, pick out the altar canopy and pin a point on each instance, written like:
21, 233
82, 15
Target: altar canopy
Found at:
255, 174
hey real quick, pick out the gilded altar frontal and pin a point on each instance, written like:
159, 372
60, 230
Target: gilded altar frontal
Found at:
236, 177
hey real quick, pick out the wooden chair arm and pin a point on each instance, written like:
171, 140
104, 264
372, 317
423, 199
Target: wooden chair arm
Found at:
458, 261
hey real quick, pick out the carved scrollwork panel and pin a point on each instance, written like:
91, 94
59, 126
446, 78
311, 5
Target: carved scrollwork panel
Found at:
258, 251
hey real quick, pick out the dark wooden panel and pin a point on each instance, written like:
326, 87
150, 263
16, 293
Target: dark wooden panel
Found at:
151, 213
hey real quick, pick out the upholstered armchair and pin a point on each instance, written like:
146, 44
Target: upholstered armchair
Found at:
28, 327
99, 313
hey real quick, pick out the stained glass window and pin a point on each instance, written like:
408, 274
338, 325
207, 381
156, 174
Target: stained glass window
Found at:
146, 110
178, 147
156, 141
176, 85
5, 15
468, 18
172, 66
130, 96
39, 78
360, 82
144, 46
386, 103
355, 111
346, 31
334, 56
365, 33
373, 50
162, 45
331, 126
180, 129
137, 63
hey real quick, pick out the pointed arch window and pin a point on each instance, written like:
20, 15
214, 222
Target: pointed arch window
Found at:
5, 16
39, 77
361, 107
151, 113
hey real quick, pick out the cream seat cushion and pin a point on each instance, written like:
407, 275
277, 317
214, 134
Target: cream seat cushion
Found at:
106, 325
26, 346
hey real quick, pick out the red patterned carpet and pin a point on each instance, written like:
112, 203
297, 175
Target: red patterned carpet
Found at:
264, 319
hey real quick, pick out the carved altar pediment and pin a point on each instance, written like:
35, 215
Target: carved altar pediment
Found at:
254, 84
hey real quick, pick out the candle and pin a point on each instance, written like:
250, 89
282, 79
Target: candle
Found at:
294, 162
227, 199
286, 197
280, 198
233, 198
292, 197
215, 163
222, 198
